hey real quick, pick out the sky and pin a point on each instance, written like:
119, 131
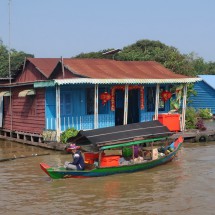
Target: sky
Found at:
55, 28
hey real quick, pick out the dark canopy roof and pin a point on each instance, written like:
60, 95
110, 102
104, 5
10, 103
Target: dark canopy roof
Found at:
123, 133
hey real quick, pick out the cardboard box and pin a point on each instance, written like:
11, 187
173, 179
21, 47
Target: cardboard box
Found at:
154, 154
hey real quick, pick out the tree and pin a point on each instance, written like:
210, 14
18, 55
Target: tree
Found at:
98, 55
17, 58
170, 57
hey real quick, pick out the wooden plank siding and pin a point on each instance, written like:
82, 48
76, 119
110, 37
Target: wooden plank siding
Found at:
30, 74
205, 97
28, 112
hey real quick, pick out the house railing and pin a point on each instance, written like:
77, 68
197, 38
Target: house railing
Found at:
86, 122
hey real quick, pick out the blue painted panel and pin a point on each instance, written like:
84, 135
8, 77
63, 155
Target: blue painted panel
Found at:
106, 120
205, 97
50, 108
74, 109
84, 122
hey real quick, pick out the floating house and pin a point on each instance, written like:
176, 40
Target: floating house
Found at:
57, 94
205, 93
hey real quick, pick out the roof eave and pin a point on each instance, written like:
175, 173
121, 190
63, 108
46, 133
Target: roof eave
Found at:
114, 81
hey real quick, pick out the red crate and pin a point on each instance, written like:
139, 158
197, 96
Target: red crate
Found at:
108, 161
171, 121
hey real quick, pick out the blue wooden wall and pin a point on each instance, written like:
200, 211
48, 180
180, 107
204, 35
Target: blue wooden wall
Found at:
75, 112
205, 97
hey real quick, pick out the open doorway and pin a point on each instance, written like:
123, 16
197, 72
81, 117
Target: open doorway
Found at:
133, 106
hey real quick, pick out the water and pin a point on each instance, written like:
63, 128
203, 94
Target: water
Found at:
184, 186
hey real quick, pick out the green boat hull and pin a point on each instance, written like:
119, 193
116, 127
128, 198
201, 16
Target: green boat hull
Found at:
61, 172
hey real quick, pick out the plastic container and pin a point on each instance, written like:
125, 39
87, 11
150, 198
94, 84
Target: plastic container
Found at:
171, 121
108, 161
90, 157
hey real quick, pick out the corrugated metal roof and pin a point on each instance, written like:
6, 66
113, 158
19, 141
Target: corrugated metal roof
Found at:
112, 69
124, 81
44, 65
209, 79
113, 81
106, 71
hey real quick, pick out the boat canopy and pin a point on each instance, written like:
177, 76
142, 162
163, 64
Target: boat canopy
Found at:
123, 134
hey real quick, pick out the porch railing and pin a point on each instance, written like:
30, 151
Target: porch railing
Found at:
86, 122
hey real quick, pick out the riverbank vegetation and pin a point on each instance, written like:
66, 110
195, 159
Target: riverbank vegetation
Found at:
194, 118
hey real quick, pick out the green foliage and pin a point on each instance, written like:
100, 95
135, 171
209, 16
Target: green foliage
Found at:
17, 58
170, 57
194, 117
205, 113
96, 55
70, 132
191, 118
175, 101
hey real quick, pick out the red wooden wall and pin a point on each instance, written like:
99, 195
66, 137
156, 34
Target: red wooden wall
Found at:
28, 113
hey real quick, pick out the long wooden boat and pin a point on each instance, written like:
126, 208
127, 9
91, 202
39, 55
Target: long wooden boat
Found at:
115, 167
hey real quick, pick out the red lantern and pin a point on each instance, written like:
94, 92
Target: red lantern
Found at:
105, 97
166, 95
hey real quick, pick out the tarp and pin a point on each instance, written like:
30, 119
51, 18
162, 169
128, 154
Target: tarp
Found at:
5, 93
24, 93
124, 133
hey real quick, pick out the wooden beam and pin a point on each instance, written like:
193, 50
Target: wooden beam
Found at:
157, 101
58, 123
125, 119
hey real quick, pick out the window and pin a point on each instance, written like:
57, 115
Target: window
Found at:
102, 109
90, 100
151, 93
65, 104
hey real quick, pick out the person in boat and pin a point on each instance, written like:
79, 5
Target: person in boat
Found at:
78, 160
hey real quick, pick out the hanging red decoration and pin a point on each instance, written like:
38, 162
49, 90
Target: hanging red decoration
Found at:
113, 90
105, 97
166, 95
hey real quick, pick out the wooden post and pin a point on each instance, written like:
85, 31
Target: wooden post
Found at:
157, 101
125, 120
184, 104
100, 156
58, 121
96, 107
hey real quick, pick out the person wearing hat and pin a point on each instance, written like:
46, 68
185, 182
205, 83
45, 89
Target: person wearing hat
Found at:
78, 160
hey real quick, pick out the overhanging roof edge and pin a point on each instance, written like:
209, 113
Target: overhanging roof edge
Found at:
41, 84
124, 81
52, 83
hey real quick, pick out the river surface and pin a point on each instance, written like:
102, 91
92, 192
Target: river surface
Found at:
184, 186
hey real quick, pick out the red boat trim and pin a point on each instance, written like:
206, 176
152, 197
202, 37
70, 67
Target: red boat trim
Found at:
44, 167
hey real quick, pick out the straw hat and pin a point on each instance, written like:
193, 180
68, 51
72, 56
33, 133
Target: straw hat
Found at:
73, 146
